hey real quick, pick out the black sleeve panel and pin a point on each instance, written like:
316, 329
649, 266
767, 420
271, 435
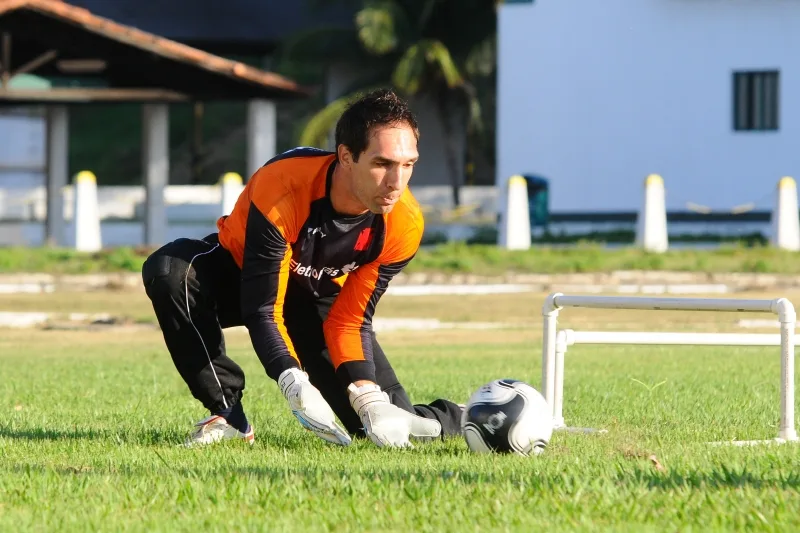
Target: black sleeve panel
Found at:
265, 273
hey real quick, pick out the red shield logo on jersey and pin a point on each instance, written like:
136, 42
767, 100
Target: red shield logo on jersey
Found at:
364, 240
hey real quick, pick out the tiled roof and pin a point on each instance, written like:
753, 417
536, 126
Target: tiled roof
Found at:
149, 42
255, 25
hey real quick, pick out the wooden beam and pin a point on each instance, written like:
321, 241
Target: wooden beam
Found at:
6, 72
6, 167
90, 95
81, 66
35, 63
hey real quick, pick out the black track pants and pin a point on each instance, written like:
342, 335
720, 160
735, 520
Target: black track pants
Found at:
194, 288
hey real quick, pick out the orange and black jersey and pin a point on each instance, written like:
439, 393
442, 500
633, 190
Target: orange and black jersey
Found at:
283, 225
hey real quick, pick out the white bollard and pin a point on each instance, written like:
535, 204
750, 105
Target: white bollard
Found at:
785, 217
517, 221
86, 213
231, 186
651, 227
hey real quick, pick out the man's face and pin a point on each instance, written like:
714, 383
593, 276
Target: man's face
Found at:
382, 171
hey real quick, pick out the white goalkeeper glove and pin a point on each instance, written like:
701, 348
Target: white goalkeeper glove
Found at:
385, 423
310, 408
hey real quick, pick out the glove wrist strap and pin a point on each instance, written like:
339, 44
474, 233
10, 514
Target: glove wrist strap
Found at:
361, 397
289, 377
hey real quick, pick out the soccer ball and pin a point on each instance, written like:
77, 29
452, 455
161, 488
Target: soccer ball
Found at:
507, 416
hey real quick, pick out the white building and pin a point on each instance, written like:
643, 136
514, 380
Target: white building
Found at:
594, 95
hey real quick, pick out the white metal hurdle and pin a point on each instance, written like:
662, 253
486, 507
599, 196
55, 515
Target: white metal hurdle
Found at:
555, 343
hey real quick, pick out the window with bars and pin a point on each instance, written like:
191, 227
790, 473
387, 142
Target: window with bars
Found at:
756, 105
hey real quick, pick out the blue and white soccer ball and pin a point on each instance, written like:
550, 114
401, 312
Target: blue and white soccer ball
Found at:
507, 416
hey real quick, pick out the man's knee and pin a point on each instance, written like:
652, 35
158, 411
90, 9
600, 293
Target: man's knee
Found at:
161, 274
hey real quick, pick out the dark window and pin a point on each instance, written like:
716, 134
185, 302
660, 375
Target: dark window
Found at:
756, 103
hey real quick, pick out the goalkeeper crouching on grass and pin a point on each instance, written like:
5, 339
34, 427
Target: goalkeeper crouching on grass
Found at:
302, 260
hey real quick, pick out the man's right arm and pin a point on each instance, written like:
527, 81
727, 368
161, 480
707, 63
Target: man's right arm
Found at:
265, 274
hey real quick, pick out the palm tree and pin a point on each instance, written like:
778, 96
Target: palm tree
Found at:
431, 48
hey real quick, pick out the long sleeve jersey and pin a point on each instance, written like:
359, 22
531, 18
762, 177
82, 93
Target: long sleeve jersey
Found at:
283, 225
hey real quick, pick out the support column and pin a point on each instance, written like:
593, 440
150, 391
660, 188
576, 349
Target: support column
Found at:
57, 172
261, 138
155, 167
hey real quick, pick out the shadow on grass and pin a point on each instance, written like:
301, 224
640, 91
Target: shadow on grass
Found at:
424, 481
298, 441
149, 436
552, 482
721, 477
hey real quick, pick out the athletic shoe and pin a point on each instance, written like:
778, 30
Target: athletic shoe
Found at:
215, 428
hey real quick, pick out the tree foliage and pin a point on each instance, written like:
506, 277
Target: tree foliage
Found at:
433, 48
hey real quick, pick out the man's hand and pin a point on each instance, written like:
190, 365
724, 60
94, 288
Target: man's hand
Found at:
387, 424
310, 408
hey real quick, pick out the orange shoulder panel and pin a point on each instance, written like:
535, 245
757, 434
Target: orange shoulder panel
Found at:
283, 192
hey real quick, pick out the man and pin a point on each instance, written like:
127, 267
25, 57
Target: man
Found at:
302, 260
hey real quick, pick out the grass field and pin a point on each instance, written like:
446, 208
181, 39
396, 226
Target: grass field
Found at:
91, 421
484, 260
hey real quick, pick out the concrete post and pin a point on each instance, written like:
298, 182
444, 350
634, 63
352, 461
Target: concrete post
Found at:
86, 213
785, 218
651, 225
517, 222
261, 137
57, 172
230, 188
155, 167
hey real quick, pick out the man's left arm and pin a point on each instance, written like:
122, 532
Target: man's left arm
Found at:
348, 333
348, 329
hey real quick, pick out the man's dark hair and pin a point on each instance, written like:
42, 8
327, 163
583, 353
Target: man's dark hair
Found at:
381, 107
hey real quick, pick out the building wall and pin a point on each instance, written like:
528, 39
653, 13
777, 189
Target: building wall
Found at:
595, 95
23, 158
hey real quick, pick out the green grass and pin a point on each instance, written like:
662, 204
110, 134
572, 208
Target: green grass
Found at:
461, 258
491, 260
91, 422
15, 259
627, 237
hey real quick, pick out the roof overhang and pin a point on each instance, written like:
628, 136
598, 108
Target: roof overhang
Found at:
61, 42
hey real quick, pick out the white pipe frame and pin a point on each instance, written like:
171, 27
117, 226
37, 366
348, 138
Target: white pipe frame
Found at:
555, 343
